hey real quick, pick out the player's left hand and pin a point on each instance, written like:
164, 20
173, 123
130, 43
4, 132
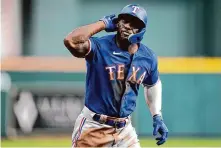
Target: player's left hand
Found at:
159, 127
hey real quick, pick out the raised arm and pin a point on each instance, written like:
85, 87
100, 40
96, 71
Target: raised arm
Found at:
77, 42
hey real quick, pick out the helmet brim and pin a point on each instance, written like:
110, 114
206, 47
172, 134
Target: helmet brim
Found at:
131, 15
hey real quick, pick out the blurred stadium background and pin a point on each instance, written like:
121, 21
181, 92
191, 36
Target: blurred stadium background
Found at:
42, 85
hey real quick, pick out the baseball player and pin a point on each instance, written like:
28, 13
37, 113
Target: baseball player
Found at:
117, 65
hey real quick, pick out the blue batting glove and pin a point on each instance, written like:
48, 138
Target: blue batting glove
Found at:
109, 23
160, 127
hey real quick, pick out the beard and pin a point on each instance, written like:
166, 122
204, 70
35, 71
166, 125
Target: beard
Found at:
123, 40
123, 34
122, 37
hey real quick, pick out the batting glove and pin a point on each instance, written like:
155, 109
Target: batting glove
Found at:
160, 127
109, 23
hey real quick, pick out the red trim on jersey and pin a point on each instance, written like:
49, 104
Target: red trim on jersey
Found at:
79, 132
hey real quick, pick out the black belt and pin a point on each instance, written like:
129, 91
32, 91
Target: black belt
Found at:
111, 122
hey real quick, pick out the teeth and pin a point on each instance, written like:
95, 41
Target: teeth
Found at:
127, 34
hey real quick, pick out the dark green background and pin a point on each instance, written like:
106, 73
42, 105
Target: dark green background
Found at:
175, 27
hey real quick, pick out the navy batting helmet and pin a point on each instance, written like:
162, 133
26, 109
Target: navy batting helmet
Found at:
141, 14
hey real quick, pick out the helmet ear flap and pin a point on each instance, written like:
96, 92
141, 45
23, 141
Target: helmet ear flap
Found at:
136, 38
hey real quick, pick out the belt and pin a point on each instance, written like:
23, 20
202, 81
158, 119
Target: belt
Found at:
112, 122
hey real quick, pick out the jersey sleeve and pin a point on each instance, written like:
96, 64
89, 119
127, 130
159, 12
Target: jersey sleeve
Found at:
153, 75
93, 47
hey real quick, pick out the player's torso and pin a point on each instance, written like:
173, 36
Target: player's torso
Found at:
115, 76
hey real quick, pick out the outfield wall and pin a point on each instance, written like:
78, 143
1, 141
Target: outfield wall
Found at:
175, 27
191, 100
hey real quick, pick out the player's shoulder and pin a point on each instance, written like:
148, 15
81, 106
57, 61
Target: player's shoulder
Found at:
147, 52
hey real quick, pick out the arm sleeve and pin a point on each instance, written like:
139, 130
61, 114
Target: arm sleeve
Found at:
153, 97
153, 75
94, 45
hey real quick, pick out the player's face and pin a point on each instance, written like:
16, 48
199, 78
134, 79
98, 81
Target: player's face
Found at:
127, 25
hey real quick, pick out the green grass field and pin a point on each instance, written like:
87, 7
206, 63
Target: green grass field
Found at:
145, 142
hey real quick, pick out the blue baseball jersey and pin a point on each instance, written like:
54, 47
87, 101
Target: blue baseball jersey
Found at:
114, 76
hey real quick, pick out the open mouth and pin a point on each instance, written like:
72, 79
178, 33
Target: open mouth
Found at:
125, 34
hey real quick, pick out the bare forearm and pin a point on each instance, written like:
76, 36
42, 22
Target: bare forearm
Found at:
77, 42
82, 34
153, 97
